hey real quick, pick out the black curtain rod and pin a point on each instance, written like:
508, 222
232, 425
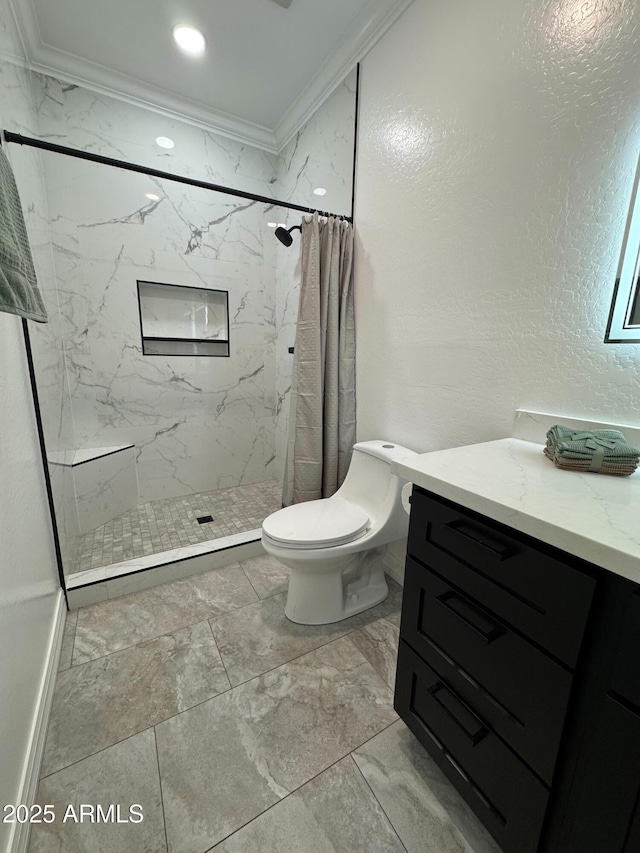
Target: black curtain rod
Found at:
156, 173
355, 145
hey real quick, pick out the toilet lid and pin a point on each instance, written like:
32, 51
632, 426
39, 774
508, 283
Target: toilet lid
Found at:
316, 524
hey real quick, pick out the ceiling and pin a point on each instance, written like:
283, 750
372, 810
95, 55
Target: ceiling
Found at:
267, 67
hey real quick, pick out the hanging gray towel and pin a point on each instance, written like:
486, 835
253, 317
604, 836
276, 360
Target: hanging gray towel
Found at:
19, 292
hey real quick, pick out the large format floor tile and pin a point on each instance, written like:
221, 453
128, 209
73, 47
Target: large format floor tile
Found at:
107, 700
225, 761
259, 637
333, 813
378, 642
394, 618
278, 762
122, 622
124, 774
424, 808
68, 639
268, 576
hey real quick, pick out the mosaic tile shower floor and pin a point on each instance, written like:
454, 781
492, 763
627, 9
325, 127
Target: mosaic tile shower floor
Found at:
173, 522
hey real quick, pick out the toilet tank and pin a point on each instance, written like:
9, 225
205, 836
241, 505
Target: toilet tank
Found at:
371, 485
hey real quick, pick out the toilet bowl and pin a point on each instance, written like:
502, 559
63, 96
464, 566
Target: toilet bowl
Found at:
333, 547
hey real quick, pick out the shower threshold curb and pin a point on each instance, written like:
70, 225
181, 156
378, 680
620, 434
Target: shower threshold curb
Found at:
93, 585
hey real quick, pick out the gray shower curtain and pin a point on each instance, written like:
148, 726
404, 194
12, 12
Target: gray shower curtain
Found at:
322, 421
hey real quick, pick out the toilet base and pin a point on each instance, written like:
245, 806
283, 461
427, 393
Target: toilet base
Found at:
320, 598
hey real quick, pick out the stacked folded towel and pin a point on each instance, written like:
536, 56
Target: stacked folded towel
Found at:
604, 451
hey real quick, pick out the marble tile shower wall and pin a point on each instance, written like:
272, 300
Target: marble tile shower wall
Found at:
18, 113
74, 116
320, 155
197, 423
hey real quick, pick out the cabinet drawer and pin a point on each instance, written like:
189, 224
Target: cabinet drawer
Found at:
506, 796
626, 675
541, 596
522, 693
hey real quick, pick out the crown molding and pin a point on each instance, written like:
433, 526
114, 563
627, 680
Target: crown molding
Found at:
352, 49
104, 81
26, 24
361, 37
69, 68
14, 58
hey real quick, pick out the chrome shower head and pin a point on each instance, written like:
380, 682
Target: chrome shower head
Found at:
284, 234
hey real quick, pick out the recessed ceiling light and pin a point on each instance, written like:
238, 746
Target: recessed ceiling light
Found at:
282, 224
271, 224
319, 191
189, 39
165, 142
152, 196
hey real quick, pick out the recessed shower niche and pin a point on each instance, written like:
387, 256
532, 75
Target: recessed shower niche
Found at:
180, 320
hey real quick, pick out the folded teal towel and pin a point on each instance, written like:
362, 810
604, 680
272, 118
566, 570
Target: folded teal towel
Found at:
19, 292
596, 446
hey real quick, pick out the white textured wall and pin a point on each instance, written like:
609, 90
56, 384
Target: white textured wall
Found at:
28, 574
498, 143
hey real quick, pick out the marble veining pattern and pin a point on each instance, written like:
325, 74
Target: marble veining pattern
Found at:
105, 487
592, 516
126, 773
200, 423
378, 642
259, 637
104, 701
282, 729
173, 523
122, 622
47, 345
266, 575
197, 424
68, 638
334, 812
425, 810
308, 756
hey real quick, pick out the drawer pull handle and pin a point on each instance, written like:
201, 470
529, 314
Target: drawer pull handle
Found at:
472, 616
461, 715
492, 546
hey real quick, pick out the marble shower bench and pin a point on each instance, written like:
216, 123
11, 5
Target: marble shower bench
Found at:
105, 482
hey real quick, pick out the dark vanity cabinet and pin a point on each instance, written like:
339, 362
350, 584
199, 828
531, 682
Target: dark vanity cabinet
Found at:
597, 806
519, 671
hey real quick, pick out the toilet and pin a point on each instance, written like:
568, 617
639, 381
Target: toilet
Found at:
333, 547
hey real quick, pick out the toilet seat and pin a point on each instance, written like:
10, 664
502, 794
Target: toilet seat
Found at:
316, 524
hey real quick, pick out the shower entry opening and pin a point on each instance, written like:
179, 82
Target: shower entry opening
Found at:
162, 454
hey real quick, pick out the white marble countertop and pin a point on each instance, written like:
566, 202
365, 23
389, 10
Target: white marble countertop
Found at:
593, 516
